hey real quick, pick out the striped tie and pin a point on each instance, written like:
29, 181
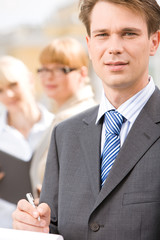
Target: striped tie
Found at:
113, 124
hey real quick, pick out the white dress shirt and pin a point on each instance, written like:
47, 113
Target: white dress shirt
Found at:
129, 109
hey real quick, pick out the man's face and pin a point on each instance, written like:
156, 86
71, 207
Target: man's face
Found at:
119, 47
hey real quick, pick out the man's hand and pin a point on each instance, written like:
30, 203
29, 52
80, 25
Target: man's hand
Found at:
25, 217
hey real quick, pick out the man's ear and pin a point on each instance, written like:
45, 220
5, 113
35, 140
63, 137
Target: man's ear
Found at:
155, 40
88, 45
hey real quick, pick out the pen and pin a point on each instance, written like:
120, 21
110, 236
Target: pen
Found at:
31, 200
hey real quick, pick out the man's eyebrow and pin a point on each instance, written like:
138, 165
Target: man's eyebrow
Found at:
131, 29
100, 30
126, 29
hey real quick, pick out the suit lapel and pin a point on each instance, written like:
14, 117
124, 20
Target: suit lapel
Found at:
90, 138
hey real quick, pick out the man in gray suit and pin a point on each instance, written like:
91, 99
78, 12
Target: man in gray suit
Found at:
121, 36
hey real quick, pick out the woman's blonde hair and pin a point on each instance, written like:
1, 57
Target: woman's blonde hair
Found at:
12, 70
66, 51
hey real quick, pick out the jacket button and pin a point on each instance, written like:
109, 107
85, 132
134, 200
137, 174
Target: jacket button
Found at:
94, 227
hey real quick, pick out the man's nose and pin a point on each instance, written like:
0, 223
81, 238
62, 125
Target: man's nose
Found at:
115, 45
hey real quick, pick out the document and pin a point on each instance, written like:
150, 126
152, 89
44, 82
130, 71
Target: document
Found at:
12, 234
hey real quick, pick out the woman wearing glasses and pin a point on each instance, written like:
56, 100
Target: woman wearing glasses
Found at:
64, 77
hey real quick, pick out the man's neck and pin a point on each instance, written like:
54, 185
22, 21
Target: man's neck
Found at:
117, 96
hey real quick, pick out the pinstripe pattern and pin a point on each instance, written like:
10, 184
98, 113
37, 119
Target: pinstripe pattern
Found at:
113, 124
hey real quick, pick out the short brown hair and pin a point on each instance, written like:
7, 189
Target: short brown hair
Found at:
66, 51
148, 8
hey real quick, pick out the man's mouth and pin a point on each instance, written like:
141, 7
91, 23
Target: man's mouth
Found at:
116, 66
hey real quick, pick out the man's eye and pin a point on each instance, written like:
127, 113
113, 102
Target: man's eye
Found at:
102, 35
129, 34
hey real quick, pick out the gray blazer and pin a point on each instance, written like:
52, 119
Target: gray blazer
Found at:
128, 205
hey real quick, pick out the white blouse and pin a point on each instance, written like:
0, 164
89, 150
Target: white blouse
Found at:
14, 143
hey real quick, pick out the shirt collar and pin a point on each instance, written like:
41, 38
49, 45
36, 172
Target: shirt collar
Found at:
131, 108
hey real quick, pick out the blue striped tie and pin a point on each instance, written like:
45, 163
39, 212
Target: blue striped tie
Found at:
113, 124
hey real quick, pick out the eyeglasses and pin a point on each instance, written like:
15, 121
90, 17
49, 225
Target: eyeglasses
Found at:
57, 71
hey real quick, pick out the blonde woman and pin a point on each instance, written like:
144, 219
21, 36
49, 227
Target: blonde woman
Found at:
23, 123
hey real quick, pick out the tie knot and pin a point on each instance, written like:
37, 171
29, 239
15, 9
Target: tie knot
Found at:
113, 122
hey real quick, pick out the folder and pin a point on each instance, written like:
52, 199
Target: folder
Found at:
16, 181
12, 234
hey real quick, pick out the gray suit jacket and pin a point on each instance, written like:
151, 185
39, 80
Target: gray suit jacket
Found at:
128, 205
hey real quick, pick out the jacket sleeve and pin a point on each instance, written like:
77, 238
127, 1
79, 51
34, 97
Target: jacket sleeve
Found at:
49, 193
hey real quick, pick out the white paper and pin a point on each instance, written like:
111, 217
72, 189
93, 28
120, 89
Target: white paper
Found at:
12, 234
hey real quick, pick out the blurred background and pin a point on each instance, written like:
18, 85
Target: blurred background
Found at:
27, 26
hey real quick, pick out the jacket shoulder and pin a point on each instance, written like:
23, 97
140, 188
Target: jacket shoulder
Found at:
86, 116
